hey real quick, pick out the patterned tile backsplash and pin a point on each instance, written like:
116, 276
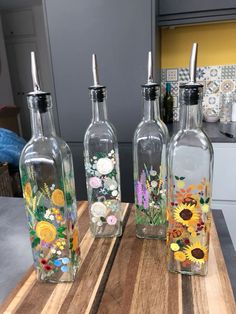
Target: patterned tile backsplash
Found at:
216, 80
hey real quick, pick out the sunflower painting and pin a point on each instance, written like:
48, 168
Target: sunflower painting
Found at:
189, 220
186, 214
196, 253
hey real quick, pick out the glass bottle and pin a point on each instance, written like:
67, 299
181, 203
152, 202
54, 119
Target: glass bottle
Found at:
47, 178
102, 166
150, 165
168, 103
190, 183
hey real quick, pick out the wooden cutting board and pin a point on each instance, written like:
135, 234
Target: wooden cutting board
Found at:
126, 275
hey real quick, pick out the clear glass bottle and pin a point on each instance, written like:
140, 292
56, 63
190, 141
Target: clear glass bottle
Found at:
190, 183
102, 166
150, 165
47, 178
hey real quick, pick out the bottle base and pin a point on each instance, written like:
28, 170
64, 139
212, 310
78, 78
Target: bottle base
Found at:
106, 231
151, 232
59, 278
189, 272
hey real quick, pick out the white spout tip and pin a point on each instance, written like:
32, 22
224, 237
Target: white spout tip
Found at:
34, 72
150, 75
95, 70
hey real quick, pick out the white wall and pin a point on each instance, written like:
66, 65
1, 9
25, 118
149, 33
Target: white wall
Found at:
6, 97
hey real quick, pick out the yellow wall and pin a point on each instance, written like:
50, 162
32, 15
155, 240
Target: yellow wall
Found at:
217, 45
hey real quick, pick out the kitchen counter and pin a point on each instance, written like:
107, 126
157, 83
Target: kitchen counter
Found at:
211, 129
101, 279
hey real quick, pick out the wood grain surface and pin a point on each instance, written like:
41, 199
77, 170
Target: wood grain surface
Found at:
126, 275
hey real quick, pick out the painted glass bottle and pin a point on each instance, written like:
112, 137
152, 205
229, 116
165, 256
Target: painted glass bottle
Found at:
150, 165
102, 166
47, 179
190, 183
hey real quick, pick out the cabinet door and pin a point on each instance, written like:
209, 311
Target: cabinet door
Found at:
121, 34
19, 65
18, 23
224, 179
183, 6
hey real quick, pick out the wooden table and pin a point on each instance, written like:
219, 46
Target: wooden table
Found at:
126, 275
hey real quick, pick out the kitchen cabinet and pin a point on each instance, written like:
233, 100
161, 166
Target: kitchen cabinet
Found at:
224, 184
121, 33
18, 23
175, 12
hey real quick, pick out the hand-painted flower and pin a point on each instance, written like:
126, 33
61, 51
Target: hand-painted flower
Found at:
205, 208
58, 197
64, 269
98, 209
153, 173
110, 184
46, 231
180, 256
154, 184
105, 165
95, 182
111, 220
47, 267
180, 184
57, 262
65, 260
139, 193
27, 192
99, 223
75, 242
114, 193
174, 247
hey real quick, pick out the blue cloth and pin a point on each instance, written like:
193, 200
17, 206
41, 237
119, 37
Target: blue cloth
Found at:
11, 146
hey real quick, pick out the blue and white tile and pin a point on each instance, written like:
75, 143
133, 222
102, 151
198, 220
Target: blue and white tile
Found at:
227, 86
176, 114
163, 88
183, 75
212, 87
175, 102
163, 75
201, 73
203, 83
172, 75
211, 101
174, 88
213, 73
228, 72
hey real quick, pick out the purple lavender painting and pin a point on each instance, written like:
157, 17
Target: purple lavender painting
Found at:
150, 195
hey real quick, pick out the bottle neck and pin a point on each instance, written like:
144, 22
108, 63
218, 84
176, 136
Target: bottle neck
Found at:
191, 108
191, 117
41, 117
151, 93
99, 111
151, 110
42, 124
99, 106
